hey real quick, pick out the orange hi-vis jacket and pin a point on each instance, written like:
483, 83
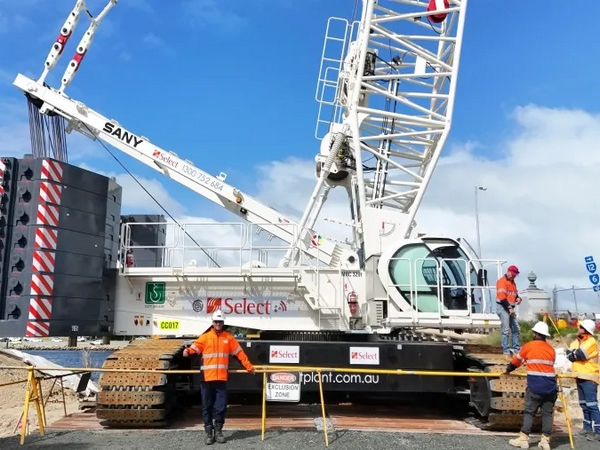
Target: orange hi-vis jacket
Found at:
539, 356
586, 354
216, 349
506, 290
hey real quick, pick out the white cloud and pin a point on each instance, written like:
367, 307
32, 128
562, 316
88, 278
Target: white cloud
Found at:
211, 14
539, 210
156, 42
125, 56
153, 40
20, 21
135, 199
11, 22
287, 186
4, 27
142, 5
207, 242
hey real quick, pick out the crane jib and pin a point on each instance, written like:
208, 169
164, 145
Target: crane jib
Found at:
122, 135
190, 171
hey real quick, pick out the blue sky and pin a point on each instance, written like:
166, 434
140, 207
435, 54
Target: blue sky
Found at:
230, 85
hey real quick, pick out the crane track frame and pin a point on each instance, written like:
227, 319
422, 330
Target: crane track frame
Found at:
133, 400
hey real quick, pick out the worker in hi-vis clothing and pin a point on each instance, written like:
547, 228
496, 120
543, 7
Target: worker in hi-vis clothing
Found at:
542, 388
583, 353
216, 345
507, 298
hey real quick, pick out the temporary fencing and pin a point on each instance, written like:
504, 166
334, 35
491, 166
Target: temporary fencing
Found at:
33, 385
34, 393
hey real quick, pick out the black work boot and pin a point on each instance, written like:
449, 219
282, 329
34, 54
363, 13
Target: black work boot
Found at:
210, 436
219, 433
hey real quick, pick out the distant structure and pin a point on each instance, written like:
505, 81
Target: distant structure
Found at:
535, 300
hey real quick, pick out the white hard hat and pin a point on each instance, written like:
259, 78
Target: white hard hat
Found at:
541, 328
588, 325
218, 316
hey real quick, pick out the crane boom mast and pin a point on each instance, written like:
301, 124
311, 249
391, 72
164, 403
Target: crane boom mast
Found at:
393, 100
92, 124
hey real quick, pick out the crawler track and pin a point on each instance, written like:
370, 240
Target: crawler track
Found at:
500, 401
139, 399
147, 399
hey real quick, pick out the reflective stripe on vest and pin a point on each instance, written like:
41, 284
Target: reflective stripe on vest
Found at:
215, 355
216, 350
541, 374
539, 357
541, 361
506, 290
588, 369
215, 366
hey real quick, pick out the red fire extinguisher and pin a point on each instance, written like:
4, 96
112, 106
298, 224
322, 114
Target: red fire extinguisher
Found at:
129, 258
353, 302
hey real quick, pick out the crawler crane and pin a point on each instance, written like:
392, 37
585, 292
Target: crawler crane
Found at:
385, 112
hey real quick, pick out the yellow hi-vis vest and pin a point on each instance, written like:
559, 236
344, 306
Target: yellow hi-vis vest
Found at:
588, 368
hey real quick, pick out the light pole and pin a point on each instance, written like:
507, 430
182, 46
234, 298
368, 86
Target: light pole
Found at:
478, 188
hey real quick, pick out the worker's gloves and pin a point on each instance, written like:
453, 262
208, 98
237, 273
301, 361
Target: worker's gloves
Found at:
571, 355
509, 368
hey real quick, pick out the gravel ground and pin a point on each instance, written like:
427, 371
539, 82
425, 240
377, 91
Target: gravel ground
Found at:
274, 440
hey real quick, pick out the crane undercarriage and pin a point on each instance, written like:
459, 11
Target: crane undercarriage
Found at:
331, 319
150, 400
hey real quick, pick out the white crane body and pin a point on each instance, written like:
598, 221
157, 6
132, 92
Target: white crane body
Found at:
386, 91
392, 112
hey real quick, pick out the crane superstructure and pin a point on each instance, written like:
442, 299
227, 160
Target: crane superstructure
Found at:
389, 101
386, 103
389, 118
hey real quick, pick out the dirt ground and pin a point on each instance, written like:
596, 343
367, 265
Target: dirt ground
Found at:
12, 399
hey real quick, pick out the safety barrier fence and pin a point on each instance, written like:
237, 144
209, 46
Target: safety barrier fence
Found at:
32, 390
35, 393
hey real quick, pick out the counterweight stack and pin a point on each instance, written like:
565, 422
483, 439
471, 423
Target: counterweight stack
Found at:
60, 232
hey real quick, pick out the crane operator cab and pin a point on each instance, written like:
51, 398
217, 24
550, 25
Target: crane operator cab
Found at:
434, 277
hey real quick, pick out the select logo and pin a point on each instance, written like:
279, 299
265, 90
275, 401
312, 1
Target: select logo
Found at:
289, 354
364, 355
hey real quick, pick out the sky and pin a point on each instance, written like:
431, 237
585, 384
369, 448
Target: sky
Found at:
230, 85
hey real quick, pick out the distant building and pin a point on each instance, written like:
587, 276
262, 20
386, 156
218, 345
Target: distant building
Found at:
535, 301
